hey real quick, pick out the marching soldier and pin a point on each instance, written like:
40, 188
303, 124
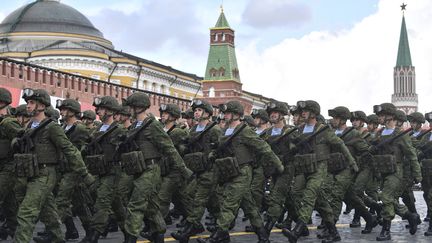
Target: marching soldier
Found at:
141, 153
9, 129
37, 155
391, 148
233, 159
311, 160
88, 118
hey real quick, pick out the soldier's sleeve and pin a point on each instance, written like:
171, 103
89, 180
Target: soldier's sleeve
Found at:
261, 148
72, 154
410, 155
340, 145
164, 144
179, 137
81, 137
12, 128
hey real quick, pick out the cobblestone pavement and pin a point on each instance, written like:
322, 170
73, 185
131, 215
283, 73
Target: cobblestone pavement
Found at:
399, 233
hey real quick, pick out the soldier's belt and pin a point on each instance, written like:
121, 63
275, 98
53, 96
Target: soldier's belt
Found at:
385, 164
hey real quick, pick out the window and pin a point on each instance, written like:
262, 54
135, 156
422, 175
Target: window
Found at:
212, 92
216, 37
221, 71
223, 37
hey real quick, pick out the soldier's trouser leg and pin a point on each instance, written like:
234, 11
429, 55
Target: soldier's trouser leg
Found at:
279, 192
36, 193
372, 189
297, 194
170, 184
144, 201
188, 193
50, 218
251, 211
7, 195
391, 187
355, 195
324, 200
341, 183
214, 201
257, 186
233, 193
66, 189
206, 183
313, 185
408, 195
121, 197
104, 199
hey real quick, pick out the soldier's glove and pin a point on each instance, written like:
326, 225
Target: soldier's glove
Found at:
354, 168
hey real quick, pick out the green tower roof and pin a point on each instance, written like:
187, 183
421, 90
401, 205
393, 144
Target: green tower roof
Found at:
404, 54
222, 21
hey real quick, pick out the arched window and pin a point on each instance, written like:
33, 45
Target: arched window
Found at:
221, 71
212, 92
216, 37
223, 37
213, 72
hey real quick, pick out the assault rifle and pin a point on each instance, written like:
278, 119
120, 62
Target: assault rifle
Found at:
229, 140
344, 134
128, 140
171, 129
419, 137
94, 144
374, 148
306, 140
201, 135
25, 142
283, 136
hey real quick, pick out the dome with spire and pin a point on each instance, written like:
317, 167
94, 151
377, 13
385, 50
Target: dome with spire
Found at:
48, 16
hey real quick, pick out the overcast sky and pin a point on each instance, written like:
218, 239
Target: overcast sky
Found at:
338, 52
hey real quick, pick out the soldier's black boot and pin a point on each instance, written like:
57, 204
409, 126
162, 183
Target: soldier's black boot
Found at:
5, 231
427, 218
249, 228
112, 225
71, 230
294, 234
321, 225
286, 224
158, 238
130, 238
268, 226
93, 237
188, 231
46, 238
413, 219
356, 220
333, 234
263, 236
385, 231
429, 231
371, 222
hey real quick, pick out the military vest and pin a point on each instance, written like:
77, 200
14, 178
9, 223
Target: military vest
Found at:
107, 144
144, 143
317, 145
279, 147
44, 149
238, 149
390, 148
204, 145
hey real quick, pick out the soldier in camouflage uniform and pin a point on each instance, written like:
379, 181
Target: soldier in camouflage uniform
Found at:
102, 162
9, 129
281, 144
203, 136
88, 118
313, 151
234, 156
261, 120
424, 150
143, 161
77, 133
22, 116
390, 152
37, 155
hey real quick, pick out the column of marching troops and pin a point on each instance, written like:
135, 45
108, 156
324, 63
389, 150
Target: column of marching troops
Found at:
130, 168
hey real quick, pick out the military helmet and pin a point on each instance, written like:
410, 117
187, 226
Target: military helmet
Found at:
358, 115
232, 106
277, 106
309, 105
106, 102
20, 110
372, 119
52, 113
70, 104
138, 99
40, 95
401, 116
249, 120
172, 109
5, 96
340, 112
428, 117
188, 114
89, 114
203, 105
124, 110
416, 117
385, 108
320, 118
260, 113
293, 109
